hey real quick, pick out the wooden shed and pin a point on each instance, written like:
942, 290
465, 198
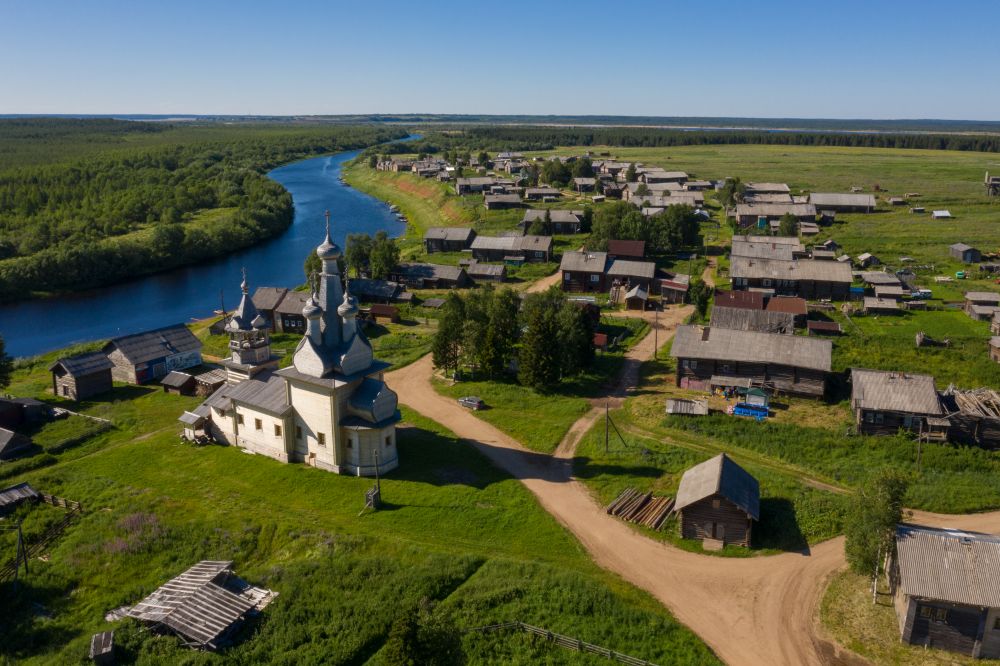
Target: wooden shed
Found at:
143, 357
945, 589
380, 311
965, 253
718, 501
81, 376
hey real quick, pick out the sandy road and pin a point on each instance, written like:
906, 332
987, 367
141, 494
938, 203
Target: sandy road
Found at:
758, 611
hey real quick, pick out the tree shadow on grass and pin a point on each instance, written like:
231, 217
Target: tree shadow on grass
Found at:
778, 528
118, 393
23, 607
583, 468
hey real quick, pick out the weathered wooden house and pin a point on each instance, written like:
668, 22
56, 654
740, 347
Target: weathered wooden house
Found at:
768, 247
750, 300
448, 239
758, 215
203, 381
797, 307
651, 176
82, 376
473, 185
636, 299
707, 356
378, 291
385, 313
982, 305
816, 327
486, 272
631, 273
432, 276
288, 313
583, 271
502, 201
148, 356
584, 184
674, 287
806, 278
745, 319
753, 189
945, 589
266, 300
540, 193
867, 259
886, 402
562, 221
512, 248
973, 416
965, 253
995, 348
718, 501
843, 203
876, 305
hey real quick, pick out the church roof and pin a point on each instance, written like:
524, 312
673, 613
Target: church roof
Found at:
245, 313
265, 392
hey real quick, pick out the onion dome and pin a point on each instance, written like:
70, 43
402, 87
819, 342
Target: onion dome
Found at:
328, 250
259, 322
312, 310
349, 308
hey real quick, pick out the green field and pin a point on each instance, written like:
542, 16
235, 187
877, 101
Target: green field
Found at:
456, 535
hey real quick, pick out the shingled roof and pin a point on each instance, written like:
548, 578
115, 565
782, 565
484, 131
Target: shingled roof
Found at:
949, 565
905, 392
150, 345
720, 475
702, 342
83, 364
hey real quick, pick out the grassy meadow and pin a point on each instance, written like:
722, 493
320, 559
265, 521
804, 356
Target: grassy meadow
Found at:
456, 535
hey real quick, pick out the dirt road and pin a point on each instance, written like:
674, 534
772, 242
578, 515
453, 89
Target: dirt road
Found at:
758, 611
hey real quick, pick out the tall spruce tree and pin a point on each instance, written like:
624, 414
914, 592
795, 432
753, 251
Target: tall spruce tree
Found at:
447, 341
870, 529
501, 332
539, 358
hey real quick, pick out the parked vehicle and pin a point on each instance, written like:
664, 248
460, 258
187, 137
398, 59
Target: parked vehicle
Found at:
472, 402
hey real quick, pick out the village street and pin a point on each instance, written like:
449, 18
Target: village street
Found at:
757, 611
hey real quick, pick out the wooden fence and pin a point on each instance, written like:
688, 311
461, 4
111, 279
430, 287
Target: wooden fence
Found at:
566, 642
73, 509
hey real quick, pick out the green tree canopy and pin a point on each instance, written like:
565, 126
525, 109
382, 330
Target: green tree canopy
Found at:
788, 225
875, 511
6, 365
384, 257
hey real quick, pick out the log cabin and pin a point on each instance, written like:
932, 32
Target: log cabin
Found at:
806, 278
718, 500
82, 376
448, 239
886, 402
944, 589
790, 363
981, 305
843, 203
583, 271
144, 357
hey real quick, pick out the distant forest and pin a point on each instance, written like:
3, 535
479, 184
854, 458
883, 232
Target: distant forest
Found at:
547, 138
85, 203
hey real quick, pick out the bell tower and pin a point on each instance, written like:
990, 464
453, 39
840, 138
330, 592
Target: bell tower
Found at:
249, 340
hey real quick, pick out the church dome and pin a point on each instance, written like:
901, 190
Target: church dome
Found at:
259, 322
349, 308
312, 309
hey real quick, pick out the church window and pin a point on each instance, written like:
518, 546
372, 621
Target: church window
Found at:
350, 442
321, 438
257, 424
239, 419
277, 430
388, 440
298, 432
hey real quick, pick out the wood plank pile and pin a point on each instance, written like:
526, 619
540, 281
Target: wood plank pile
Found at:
641, 508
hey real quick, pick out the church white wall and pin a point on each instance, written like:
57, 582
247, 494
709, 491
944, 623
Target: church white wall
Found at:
263, 440
314, 414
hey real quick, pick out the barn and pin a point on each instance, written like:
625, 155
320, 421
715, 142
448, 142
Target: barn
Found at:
144, 357
718, 501
82, 376
946, 590
965, 253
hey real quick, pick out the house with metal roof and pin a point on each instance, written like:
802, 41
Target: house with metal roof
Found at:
329, 409
946, 589
473, 184
754, 189
981, 305
759, 214
964, 253
540, 193
448, 239
562, 221
432, 276
843, 202
583, 271
82, 376
627, 249
718, 501
501, 201
501, 248
631, 273
886, 402
709, 355
764, 247
144, 357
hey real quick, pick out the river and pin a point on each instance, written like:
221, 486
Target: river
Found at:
34, 327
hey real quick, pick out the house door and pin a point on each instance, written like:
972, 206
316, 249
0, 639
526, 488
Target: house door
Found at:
720, 532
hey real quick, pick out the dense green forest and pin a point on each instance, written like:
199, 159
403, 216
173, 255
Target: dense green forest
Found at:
84, 203
546, 138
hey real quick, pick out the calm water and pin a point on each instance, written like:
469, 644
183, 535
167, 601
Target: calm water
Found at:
158, 300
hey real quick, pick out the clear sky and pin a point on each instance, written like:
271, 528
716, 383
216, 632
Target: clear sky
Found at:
789, 58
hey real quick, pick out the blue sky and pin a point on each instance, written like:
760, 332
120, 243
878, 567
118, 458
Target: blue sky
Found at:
790, 58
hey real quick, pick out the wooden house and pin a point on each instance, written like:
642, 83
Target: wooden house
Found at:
432, 276
13, 444
753, 189
674, 288
806, 278
148, 356
944, 589
584, 184
636, 298
790, 363
197, 381
973, 416
501, 201
751, 300
448, 239
519, 248
718, 501
790, 305
982, 305
378, 291
816, 327
631, 273
874, 305
473, 185
266, 300
583, 271
651, 176
745, 319
886, 402
843, 203
540, 193
562, 221
82, 376
867, 259
627, 249
486, 272
383, 312
288, 312
758, 215
965, 253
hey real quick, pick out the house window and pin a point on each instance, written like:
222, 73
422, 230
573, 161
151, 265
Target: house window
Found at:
388, 441
321, 438
567, 277
257, 424
996, 624
595, 278
350, 442
239, 419
766, 282
716, 504
298, 432
941, 614
277, 430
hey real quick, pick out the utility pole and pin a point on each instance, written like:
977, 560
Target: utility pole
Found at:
656, 332
607, 420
